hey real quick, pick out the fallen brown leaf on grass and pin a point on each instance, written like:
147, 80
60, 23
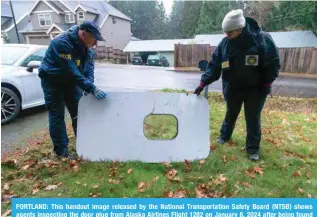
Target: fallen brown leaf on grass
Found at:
53, 163
75, 168
258, 170
187, 166
155, 179
142, 186
250, 173
7, 213
26, 167
213, 147
95, 186
130, 171
10, 162
201, 162
171, 175
6, 198
167, 165
232, 144
297, 174
300, 190
233, 158
6, 186
200, 192
220, 179
35, 190
205, 191
181, 193
224, 159
114, 181
73, 163
95, 195
50, 187
246, 184
308, 174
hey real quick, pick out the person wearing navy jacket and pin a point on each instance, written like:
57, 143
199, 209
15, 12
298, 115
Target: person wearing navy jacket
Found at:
248, 60
66, 72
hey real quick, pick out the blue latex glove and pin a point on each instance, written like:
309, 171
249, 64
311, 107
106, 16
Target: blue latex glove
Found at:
99, 94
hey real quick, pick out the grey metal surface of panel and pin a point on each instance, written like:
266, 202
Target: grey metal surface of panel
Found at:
112, 129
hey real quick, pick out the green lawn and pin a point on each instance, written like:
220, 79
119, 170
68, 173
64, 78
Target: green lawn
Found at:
287, 167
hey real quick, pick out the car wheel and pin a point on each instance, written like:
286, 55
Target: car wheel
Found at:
10, 105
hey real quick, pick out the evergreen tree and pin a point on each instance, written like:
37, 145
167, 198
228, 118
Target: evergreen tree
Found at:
190, 18
212, 14
175, 19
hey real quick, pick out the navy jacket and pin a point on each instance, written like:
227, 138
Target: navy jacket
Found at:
248, 61
68, 61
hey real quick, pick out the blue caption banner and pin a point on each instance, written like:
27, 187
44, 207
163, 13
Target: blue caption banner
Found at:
169, 207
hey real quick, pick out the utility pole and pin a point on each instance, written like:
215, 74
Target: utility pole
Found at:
15, 25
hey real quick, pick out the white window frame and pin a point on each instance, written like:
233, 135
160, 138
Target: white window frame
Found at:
70, 16
83, 15
45, 19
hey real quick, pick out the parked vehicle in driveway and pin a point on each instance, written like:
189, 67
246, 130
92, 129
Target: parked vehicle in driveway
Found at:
137, 60
20, 84
157, 60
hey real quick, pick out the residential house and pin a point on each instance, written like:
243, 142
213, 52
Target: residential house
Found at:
48, 18
150, 47
20, 9
283, 39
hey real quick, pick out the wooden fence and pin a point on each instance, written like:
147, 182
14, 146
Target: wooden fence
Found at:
189, 55
294, 60
108, 53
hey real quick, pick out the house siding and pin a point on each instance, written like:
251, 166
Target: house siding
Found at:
13, 35
56, 18
36, 23
117, 35
88, 17
42, 7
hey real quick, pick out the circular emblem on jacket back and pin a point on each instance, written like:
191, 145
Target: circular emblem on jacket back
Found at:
251, 60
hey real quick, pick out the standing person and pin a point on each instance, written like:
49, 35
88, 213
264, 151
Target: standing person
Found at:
66, 71
249, 61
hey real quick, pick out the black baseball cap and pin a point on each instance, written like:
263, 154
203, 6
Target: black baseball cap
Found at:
92, 28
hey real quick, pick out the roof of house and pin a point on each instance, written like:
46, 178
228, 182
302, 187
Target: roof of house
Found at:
98, 6
20, 9
29, 28
5, 9
3, 21
294, 39
154, 45
290, 39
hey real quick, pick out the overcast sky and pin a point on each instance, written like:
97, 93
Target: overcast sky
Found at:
168, 5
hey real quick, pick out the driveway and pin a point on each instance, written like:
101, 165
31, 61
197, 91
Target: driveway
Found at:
139, 78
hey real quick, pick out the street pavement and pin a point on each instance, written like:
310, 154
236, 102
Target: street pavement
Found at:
139, 78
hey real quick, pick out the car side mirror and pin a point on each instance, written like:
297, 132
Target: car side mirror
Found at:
32, 65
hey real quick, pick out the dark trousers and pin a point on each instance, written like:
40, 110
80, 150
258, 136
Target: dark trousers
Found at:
254, 101
56, 96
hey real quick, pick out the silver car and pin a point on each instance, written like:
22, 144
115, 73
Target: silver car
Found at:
20, 84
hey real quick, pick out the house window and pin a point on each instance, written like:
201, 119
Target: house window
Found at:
69, 18
45, 19
81, 15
